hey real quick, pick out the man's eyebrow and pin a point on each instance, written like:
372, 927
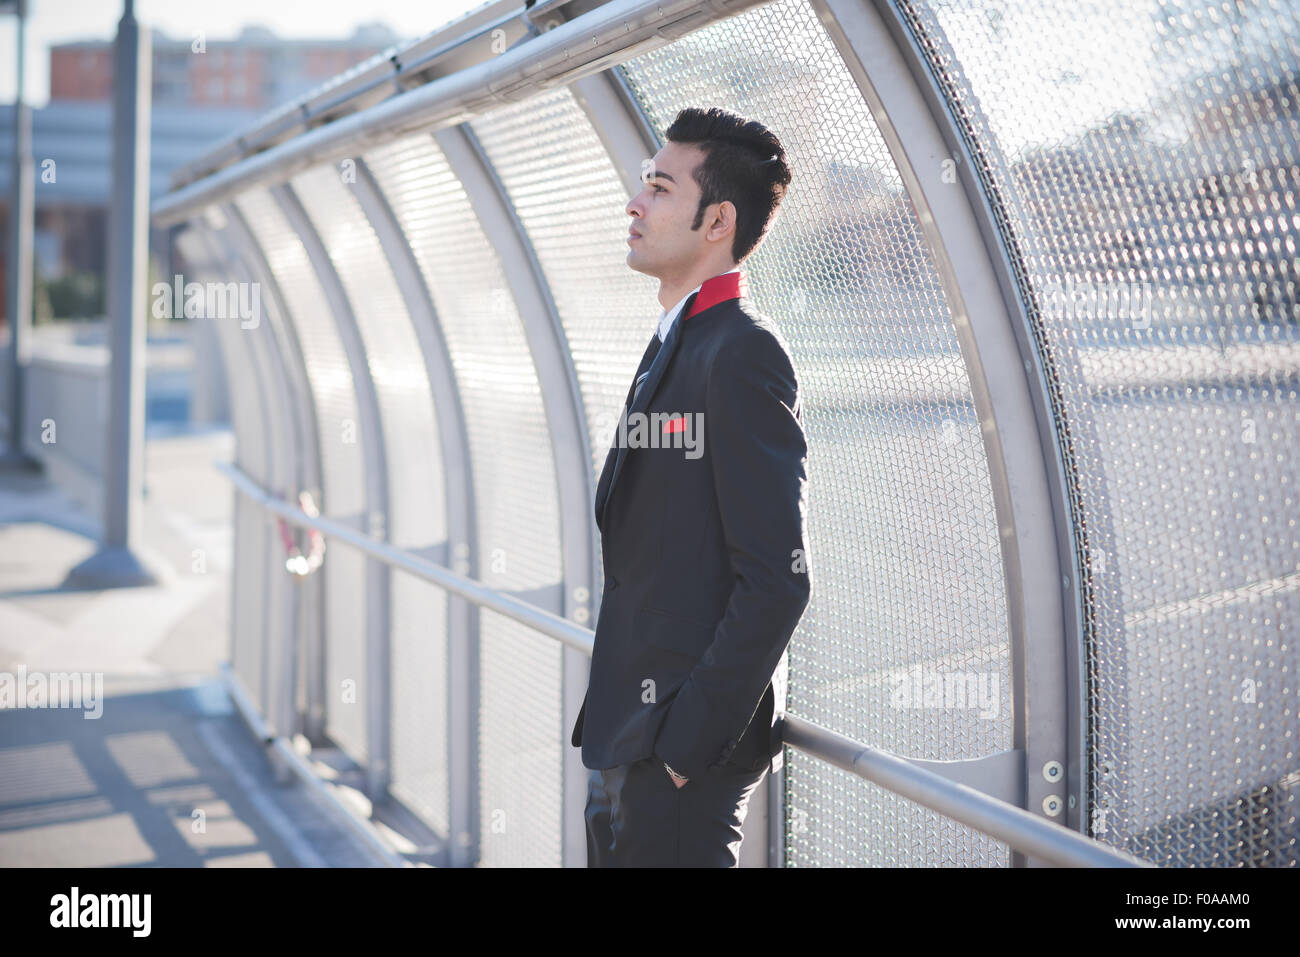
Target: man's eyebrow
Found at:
660, 174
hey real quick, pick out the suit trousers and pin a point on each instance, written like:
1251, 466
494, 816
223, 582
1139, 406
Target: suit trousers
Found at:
637, 817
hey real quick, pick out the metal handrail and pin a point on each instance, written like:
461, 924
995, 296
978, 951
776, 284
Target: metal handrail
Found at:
1005, 822
986, 814
587, 44
355, 88
561, 629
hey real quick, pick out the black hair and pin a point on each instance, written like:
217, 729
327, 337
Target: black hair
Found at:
744, 164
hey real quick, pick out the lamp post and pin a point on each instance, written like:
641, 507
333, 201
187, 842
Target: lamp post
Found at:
122, 558
19, 285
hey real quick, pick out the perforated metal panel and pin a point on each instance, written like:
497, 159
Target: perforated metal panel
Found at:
252, 338
416, 492
570, 199
248, 579
298, 601
344, 492
520, 733
907, 572
1144, 160
419, 699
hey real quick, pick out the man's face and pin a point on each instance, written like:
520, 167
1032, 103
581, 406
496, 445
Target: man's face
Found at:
660, 240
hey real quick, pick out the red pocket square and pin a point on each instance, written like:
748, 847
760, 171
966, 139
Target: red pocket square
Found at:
677, 424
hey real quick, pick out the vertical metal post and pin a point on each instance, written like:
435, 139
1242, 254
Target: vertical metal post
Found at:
562, 400
309, 692
1019, 434
21, 212
776, 816
462, 522
377, 519
287, 451
1053, 791
122, 559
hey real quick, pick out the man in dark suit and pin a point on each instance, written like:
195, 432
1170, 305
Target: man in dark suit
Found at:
701, 509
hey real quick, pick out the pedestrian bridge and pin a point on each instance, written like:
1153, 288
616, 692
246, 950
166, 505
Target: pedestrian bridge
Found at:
1036, 269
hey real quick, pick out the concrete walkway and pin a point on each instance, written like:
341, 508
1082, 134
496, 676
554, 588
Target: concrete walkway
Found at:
166, 774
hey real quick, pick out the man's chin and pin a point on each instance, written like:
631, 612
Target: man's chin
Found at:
634, 262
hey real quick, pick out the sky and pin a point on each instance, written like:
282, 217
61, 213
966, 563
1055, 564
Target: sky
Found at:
51, 22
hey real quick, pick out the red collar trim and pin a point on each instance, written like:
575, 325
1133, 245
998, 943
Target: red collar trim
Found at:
731, 285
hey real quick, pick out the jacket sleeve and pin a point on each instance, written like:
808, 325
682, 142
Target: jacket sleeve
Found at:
759, 458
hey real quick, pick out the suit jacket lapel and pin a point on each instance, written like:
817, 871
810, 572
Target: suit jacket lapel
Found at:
619, 452
607, 470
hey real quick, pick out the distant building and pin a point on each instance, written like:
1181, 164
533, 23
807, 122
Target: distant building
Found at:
199, 99
255, 71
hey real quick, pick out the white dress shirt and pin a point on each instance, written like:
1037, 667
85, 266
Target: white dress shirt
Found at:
669, 316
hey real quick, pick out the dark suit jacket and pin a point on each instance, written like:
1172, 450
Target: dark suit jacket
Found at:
705, 556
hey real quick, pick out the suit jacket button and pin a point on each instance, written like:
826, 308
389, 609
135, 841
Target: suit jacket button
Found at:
613, 582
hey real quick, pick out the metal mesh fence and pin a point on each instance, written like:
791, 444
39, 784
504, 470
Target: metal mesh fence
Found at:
1143, 162
416, 495
418, 711
343, 496
271, 404
570, 199
248, 581
520, 733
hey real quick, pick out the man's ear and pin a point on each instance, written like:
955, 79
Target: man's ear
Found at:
726, 214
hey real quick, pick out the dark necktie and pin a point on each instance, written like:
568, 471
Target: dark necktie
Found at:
643, 369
